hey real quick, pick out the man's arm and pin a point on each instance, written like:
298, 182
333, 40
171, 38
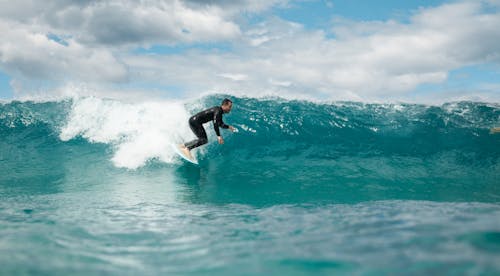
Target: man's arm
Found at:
218, 121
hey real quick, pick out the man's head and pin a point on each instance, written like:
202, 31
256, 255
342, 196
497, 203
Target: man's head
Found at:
226, 105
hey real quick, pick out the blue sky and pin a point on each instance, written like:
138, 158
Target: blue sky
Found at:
5, 89
325, 49
317, 14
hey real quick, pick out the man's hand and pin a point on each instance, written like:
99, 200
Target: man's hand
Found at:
221, 141
232, 128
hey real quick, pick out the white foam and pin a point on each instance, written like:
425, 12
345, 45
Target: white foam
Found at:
138, 132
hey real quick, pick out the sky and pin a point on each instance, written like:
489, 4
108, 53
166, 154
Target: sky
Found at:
376, 51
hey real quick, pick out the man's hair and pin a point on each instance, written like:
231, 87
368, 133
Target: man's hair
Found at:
226, 101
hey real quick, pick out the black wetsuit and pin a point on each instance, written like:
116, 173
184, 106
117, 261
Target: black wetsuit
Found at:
196, 123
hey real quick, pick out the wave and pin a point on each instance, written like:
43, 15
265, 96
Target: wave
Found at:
274, 127
341, 151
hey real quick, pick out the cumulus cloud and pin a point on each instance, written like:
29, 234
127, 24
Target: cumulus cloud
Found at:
129, 22
168, 23
34, 56
363, 60
397, 57
84, 39
375, 60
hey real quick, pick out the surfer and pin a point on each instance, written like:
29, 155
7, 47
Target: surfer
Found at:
196, 122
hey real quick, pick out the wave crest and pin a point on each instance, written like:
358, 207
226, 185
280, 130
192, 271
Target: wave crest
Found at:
139, 132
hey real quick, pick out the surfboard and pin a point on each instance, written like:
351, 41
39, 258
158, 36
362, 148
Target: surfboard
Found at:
179, 152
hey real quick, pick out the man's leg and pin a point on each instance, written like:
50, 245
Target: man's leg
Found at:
202, 139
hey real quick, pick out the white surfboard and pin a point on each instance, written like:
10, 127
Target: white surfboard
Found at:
182, 155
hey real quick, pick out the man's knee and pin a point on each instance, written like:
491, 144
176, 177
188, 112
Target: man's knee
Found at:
203, 141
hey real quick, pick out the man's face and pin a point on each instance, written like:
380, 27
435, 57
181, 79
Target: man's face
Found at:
227, 107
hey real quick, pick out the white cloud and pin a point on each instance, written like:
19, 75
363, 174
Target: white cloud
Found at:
365, 60
133, 23
33, 55
234, 77
375, 60
164, 22
94, 34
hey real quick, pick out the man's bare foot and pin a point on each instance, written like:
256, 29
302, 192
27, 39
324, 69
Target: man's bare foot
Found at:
186, 151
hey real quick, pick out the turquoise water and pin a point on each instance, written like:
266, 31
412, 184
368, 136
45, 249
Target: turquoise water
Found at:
90, 186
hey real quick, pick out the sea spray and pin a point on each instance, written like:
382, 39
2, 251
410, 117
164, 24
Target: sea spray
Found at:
138, 132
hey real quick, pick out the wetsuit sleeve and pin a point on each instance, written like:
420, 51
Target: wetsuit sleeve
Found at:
218, 121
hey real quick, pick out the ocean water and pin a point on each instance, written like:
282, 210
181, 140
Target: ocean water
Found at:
91, 186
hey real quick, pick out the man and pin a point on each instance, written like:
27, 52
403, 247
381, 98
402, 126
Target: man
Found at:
196, 123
